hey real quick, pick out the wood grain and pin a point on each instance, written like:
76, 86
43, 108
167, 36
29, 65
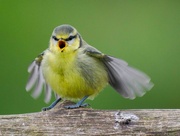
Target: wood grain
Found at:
86, 121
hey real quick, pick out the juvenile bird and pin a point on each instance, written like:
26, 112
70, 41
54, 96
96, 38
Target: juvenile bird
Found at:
74, 70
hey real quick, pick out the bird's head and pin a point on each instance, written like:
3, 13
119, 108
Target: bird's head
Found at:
64, 39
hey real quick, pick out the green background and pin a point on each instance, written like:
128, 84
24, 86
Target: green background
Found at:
144, 33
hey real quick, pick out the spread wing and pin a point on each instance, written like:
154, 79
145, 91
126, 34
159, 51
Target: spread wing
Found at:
36, 79
127, 81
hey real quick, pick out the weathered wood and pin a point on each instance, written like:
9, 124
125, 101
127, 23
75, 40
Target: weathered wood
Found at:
86, 121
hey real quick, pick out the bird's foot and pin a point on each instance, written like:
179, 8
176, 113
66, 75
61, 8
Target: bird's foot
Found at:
77, 105
52, 105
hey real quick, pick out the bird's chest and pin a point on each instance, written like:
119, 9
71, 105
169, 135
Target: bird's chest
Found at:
61, 74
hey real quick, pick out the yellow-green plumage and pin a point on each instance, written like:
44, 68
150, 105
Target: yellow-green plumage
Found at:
65, 71
75, 70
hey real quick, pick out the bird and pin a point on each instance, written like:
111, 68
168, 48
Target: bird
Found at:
76, 71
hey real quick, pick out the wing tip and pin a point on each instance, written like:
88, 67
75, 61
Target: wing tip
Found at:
27, 88
127, 81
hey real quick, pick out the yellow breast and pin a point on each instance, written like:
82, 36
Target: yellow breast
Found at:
66, 77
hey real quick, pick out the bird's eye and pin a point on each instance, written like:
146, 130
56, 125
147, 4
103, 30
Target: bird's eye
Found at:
55, 38
70, 38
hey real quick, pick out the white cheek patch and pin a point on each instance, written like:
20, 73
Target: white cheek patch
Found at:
70, 42
54, 42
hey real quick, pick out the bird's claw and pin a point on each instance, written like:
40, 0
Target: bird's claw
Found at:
76, 106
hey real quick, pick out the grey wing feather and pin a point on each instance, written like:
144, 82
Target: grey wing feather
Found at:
39, 84
129, 82
36, 80
48, 93
33, 70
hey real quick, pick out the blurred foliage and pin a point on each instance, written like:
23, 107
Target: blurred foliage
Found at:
144, 33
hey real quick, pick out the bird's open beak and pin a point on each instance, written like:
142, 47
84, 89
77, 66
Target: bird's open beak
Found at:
62, 44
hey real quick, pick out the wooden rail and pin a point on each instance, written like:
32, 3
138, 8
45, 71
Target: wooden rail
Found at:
87, 121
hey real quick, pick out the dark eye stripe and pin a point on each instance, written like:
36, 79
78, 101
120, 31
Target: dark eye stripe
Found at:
55, 38
70, 38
